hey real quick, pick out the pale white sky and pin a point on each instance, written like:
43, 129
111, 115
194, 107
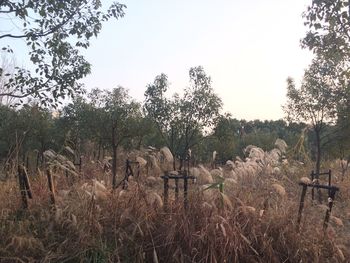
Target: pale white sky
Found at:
249, 48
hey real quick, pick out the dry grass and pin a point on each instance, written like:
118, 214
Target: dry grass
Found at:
255, 221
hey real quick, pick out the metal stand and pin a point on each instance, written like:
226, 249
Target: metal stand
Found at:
183, 175
331, 195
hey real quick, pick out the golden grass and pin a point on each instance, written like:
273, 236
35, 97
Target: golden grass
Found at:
253, 221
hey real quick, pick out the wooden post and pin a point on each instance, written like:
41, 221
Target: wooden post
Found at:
37, 161
27, 183
22, 187
329, 181
176, 189
51, 186
185, 191
329, 210
301, 206
125, 183
166, 191
138, 169
312, 180
27, 164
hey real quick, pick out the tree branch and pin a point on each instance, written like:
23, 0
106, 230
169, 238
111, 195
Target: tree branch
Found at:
48, 32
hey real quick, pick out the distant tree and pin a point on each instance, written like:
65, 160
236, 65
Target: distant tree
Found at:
315, 102
54, 32
106, 118
121, 115
226, 136
25, 131
7, 127
182, 120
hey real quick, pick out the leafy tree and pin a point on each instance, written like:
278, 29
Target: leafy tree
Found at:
226, 137
329, 26
25, 132
120, 121
55, 32
314, 102
183, 120
329, 38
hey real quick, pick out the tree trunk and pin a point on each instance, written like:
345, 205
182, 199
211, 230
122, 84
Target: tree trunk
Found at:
172, 148
318, 161
318, 153
114, 160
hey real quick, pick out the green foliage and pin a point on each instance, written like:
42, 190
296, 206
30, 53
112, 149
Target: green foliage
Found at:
183, 120
328, 37
315, 102
102, 115
55, 32
231, 136
329, 26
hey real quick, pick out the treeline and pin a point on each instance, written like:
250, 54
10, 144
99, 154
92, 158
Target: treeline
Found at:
100, 122
95, 124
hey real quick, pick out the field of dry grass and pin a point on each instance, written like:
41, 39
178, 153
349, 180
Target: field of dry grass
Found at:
254, 220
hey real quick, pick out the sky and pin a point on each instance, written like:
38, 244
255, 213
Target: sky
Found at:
249, 48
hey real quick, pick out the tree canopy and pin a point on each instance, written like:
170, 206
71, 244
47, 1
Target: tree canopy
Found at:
54, 32
182, 120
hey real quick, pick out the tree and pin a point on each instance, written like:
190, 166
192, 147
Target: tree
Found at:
121, 115
183, 120
226, 137
55, 32
315, 102
329, 38
329, 30
105, 118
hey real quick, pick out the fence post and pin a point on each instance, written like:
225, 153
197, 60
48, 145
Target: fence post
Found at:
176, 189
51, 186
329, 210
166, 191
301, 206
312, 180
185, 191
22, 187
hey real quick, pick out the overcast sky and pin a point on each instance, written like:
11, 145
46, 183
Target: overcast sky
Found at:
249, 48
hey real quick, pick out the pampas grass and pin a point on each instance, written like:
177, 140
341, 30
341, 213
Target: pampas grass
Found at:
249, 222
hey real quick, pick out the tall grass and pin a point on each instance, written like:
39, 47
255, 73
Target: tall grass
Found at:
253, 223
